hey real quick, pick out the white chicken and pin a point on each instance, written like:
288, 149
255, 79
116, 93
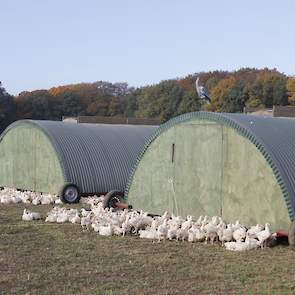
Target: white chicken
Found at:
264, 235
62, 217
210, 232
75, 219
46, 200
105, 230
199, 221
175, 221
148, 234
37, 200
249, 244
200, 235
187, 224
126, 227
181, 234
225, 234
239, 233
172, 232
162, 230
95, 226
51, 217
58, 201
28, 215
254, 230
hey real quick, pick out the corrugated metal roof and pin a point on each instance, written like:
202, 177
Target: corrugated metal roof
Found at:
95, 157
273, 137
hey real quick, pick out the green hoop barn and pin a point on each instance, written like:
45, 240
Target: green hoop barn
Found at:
44, 155
232, 165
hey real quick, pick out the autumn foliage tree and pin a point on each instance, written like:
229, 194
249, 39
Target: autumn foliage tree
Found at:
230, 92
7, 108
291, 90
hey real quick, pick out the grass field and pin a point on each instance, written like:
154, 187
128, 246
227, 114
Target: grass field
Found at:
41, 258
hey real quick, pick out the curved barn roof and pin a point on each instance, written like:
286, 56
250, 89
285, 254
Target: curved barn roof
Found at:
96, 157
273, 137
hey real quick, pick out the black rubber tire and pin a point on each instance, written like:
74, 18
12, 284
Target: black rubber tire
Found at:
291, 235
111, 198
69, 193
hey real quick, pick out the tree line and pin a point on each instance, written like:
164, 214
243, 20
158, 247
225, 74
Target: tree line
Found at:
230, 92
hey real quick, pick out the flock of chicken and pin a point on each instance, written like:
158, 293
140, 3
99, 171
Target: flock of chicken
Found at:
107, 222
12, 196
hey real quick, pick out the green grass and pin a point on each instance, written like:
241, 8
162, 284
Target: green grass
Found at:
41, 258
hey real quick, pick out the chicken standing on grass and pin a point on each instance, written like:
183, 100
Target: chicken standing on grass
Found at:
105, 230
264, 235
29, 216
162, 230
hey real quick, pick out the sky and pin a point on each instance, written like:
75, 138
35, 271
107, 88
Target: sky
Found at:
46, 43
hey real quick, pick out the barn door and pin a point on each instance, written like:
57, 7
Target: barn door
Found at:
197, 175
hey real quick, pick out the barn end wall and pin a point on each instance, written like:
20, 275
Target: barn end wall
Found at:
214, 171
28, 160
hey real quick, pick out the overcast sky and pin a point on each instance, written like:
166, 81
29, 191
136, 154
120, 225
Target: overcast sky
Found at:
47, 43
